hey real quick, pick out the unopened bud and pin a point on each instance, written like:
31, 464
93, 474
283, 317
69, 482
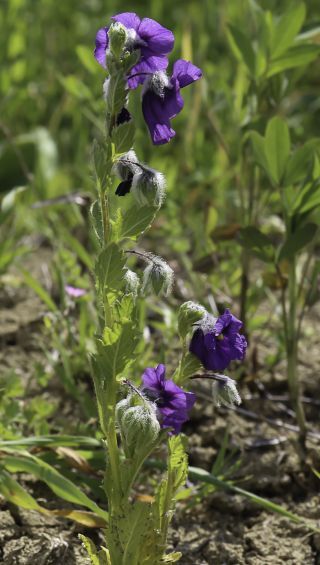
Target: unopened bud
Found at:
138, 423
117, 39
189, 313
132, 282
158, 276
225, 392
127, 164
148, 187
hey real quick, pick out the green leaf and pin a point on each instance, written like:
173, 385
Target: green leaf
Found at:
195, 473
242, 46
51, 441
198, 474
171, 557
178, 461
61, 486
189, 366
133, 529
85, 55
298, 164
109, 267
39, 290
297, 241
116, 353
74, 86
96, 217
295, 57
257, 242
116, 97
77, 247
307, 198
136, 220
286, 29
123, 137
259, 151
12, 491
97, 557
277, 148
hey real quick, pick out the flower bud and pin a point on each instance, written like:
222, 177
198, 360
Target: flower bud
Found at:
117, 39
127, 164
132, 282
158, 276
225, 392
138, 424
148, 187
189, 313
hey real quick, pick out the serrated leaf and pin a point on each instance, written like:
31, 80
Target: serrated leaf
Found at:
116, 355
297, 241
286, 29
296, 56
133, 529
96, 218
136, 220
109, 267
123, 137
277, 148
130, 59
178, 461
257, 242
116, 96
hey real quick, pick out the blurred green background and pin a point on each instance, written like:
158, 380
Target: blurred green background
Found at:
51, 109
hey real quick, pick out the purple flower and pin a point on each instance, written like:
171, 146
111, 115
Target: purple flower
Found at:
220, 344
74, 292
172, 402
153, 40
162, 101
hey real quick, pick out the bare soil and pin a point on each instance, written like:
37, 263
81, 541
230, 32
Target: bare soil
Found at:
224, 528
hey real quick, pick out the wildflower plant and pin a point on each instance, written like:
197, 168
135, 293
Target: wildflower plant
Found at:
136, 419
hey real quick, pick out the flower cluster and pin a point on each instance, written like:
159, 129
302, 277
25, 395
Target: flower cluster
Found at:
217, 342
172, 402
161, 97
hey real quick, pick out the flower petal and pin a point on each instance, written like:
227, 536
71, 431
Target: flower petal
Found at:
161, 373
129, 19
185, 72
150, 379
156, 118
102, 42
147, 65
159, 39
